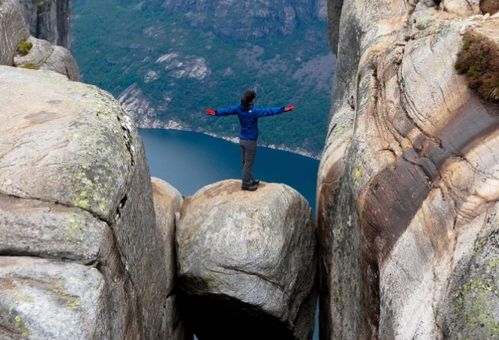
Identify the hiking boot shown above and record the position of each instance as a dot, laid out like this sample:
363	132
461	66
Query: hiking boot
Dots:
255	182
251	187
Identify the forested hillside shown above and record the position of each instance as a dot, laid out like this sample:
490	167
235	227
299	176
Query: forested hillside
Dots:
168	61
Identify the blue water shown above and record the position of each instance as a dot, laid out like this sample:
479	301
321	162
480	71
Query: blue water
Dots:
189	161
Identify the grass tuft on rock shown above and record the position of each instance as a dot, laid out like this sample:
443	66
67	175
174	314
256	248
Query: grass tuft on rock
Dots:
479	60
30	66
23	47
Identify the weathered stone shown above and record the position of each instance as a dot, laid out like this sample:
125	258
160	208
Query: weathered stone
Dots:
45	56
13	30
408	179
67	150
41	299
167	203
73	134
247	262
35	228
489	6
461	7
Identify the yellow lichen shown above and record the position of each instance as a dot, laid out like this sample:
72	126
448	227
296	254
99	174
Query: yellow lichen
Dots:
357	173
74	303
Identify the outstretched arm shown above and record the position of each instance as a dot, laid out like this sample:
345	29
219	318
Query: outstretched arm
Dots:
223	112
270	111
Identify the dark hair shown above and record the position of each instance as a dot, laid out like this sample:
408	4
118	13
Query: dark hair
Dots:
247	98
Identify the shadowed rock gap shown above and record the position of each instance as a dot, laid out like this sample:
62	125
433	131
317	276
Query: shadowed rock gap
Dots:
220	317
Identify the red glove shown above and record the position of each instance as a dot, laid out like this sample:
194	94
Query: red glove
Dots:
211	112
289	108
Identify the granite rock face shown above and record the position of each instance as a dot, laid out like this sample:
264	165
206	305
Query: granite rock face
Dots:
18	48
167	204
49	20
42	299
13	29
75	186
409	181
247	262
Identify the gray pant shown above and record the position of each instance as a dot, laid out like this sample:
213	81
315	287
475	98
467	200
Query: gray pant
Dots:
248	148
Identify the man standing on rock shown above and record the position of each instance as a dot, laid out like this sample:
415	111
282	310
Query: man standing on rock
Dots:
248	118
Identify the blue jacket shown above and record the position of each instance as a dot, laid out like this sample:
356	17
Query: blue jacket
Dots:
249	118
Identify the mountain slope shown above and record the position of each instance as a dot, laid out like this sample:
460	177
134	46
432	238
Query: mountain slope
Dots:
169	61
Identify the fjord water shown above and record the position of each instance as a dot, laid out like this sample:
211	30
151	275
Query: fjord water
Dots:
190	160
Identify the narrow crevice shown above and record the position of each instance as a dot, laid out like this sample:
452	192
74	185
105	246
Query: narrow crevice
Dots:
46	256
96	216
126	126
260	276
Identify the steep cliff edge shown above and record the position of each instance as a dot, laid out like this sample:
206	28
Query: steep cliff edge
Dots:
79	244
409	182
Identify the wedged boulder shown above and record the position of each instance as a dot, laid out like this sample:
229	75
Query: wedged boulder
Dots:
167	204
247	262
13	29
409	182
74	185
45	56
42	299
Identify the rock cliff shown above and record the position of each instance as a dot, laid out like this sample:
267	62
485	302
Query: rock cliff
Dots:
49	20
19	48
247	263
409	181
79	244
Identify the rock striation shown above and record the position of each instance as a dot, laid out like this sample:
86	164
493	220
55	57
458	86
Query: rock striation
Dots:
49	20
19	48
13	28
247	262
76	212
409	182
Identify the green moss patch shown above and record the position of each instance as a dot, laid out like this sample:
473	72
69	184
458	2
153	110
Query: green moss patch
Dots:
23	47
479	61
30	66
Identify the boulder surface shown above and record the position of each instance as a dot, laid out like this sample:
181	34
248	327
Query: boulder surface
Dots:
75	186
247	262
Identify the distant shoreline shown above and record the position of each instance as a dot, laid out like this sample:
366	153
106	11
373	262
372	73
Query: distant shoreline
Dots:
174	125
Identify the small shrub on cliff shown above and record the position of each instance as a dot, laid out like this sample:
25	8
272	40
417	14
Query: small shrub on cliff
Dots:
479	60
24	47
